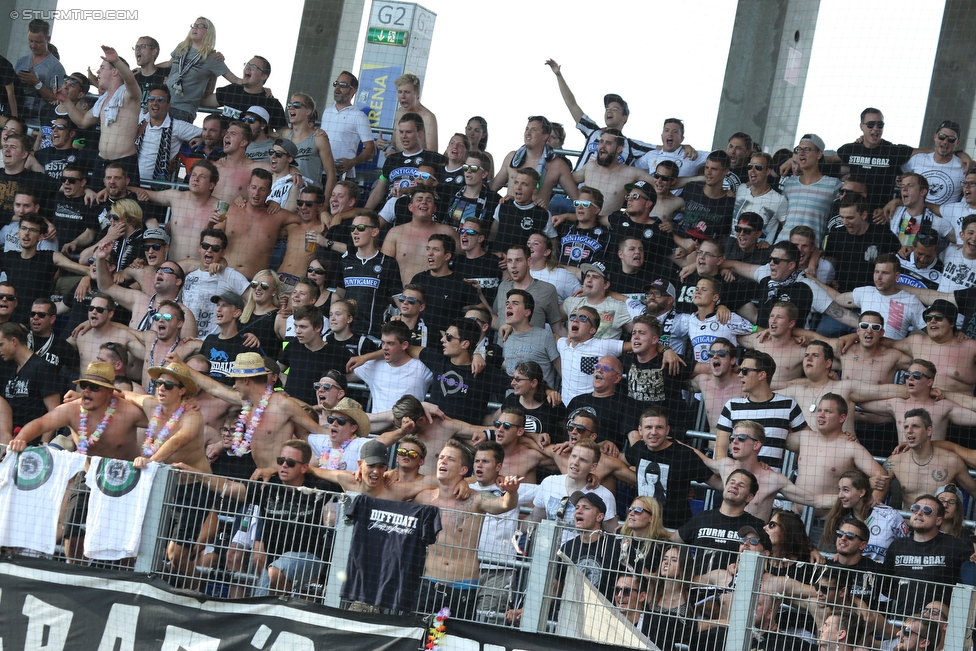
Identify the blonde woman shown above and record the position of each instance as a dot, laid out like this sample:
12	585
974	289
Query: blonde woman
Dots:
643	529
195	63
260	310
314	150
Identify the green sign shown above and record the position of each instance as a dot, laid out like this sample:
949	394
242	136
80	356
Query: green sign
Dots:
386	36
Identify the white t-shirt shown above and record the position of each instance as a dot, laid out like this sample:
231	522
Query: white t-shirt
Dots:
901	311
614	315
550	495
388	384
321	445
686	166
346	129
956	213
119	495
957	271
199	286
945	179
562	279
772	206
905	229
497	530
703	333
577	363
281	187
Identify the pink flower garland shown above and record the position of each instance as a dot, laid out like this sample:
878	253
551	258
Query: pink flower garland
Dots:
242	437
83	440
153	440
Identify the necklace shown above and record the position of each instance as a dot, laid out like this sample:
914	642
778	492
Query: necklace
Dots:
242	436
154	440
813	405
332	457
83	440
152	362
922	465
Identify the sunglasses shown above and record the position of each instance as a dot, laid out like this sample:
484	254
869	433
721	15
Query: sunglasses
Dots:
635	196
907	631
39	315
341	84
198	25
755	166
59	127
291	463
263	285
403	452
918	375
468	231
582	318
934	317
662	177
90	386
254	66
422	175
152	99
773	260
505	426
274	153
323	386
585	204
875	327
448	337
636	509
113	217
574	427
305	204
604	368
100	310
824	589
7	297
296	105
752	540
745	231
169	385
745	370
925	509
476	320
708	354
250	119
470	168
315	270
412	300
216	248
624	591
162	317
154	247
359	228
802	150
942	136
875	123
167	270
850	535
341	420
91	260
70	180
741	438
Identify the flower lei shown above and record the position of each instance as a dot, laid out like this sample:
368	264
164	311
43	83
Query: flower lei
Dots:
242	437
438	629
83	440
332	457
154	440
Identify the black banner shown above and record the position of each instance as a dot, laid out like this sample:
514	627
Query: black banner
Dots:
467	636
47	606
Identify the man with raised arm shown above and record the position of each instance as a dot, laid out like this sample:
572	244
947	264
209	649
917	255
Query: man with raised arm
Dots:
164	337
535	153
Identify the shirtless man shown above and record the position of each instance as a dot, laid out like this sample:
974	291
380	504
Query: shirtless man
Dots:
406	243
916	394
280	420
369	480
607	174
297	256
408	98
520	459
117	439
117	111
667	205
777	341
103	330
212	409
818	359
720	384
167	286
554	171
191	211
163	338
869	362
252	230
453	559
746	440
925	466
181	442
825	455
235	167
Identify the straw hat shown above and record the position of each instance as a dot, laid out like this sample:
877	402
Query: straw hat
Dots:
247	365
179	371
352	409
100	373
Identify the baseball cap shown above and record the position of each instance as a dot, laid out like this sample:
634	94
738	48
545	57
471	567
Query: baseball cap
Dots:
288	146
230	298
750	220
260	112
950	124
665	286
614	97
374	452
643	186
592	498
702	231
155	234
597	267
814	138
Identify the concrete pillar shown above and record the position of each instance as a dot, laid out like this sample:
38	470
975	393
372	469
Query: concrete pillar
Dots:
327	41
766	72
951	93
13	26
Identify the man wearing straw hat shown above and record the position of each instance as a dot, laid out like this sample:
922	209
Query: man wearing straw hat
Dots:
347	430
175	435
268	418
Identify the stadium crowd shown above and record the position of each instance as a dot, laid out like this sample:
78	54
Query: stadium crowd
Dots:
536	333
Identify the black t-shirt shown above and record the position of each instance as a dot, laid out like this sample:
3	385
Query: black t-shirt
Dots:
863	580
9	183
516	223
233	466
579	246
544	418
292	518
156	78
650	384
8	76
262	327
370	283
449	183
222	353
938	561
966	300
449	294
398	533
797	293
657	244
460	208
854	254
713	530
616	414
735	177
26	389
72	218
455	389
734	252
666	476
33	277
632	285
599	561
484	269
699	208
54	160
236	101
305	367
399	168
878	167
685	294
59	353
